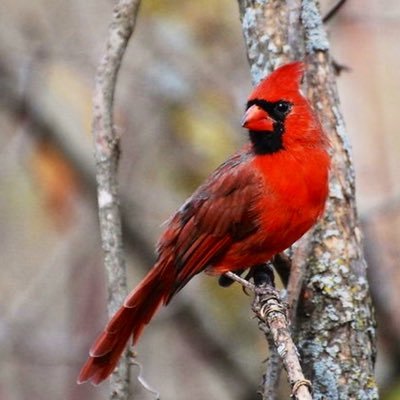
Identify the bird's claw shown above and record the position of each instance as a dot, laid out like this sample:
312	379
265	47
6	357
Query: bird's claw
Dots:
263	274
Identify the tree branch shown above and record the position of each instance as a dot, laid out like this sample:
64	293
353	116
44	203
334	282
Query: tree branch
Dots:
272	320
272	314
21	105
333	11
107	156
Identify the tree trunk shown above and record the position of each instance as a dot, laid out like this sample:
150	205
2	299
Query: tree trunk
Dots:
335	321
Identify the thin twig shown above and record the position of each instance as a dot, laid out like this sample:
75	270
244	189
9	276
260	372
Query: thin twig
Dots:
240	280
338	68
142	380
40	127
107	156
333	11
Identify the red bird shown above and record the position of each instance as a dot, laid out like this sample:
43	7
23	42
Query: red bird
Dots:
255	205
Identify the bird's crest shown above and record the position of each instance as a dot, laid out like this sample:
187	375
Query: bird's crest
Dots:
285	79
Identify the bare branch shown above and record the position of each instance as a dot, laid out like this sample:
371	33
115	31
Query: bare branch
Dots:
270	381
264	25
186	315
272	313
142	379
272	316
294	283
107	155
333	11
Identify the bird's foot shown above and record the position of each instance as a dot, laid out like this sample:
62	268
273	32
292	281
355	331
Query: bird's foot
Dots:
283	266
263	275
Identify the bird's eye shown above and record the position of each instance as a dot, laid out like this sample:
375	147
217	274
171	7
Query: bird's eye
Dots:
282	107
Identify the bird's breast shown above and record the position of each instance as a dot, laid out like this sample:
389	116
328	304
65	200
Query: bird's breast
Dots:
291	199
294	195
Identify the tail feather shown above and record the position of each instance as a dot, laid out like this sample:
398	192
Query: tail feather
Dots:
105	341
138	309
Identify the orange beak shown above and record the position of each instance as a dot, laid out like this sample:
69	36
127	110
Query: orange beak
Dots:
257	119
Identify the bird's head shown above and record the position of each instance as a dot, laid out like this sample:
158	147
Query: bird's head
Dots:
277	114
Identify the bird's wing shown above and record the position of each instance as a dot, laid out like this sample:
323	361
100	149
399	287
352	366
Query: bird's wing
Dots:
220	212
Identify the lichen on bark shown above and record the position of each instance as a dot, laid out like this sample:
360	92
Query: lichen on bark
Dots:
335	319
264	28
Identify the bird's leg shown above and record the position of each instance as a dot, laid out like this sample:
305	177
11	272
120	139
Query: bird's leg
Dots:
282	265
263	274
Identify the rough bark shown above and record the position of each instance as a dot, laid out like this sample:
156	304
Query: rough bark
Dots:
272	313
336	324
273	321
265	29
335	321
270	30
107	156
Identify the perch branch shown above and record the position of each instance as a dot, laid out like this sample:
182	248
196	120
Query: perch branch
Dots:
292	275
272	320
106	146
272	313
269	385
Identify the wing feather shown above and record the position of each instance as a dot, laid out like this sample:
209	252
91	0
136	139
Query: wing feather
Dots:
219	213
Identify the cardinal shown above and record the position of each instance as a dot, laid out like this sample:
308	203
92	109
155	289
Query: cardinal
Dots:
253	206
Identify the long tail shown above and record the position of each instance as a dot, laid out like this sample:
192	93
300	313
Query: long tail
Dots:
138	309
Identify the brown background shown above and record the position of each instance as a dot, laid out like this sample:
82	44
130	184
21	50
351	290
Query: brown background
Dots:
180	98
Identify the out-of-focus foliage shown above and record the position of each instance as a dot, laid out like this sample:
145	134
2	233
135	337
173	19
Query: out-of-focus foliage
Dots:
180	96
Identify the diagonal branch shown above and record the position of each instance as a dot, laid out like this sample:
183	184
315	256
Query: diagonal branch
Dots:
107	154
273	321
333	11
272	313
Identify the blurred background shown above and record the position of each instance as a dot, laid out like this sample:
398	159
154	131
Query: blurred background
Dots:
180	97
